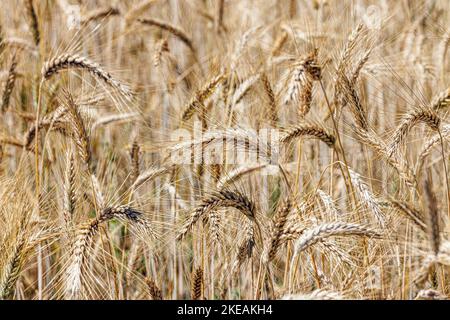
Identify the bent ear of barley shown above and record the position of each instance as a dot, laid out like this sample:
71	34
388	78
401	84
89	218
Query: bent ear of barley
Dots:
370	138
57	124
100	13
83	241
323	231
429	117
222	198
137	10
410	212
200	96
72	61
309	130
176	31
238	139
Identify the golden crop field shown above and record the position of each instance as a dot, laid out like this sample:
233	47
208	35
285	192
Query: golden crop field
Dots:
224	149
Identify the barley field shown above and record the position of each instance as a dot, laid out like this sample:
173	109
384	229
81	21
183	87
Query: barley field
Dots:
224	149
